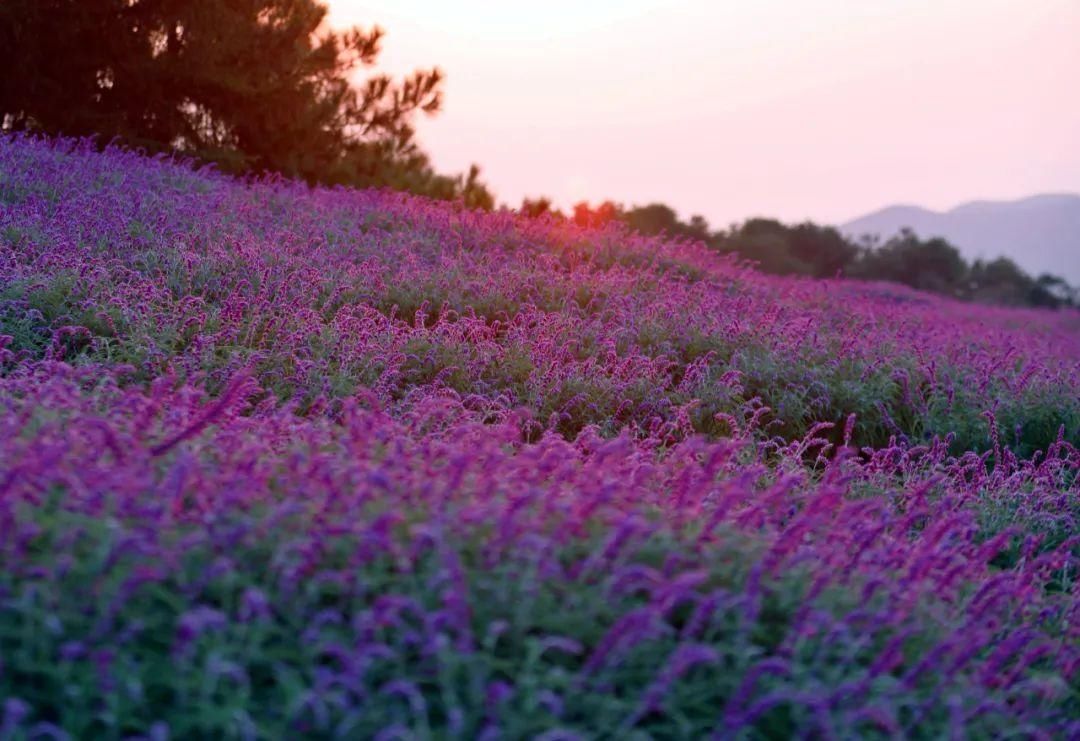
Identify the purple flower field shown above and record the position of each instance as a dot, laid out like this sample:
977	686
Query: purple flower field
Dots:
281	462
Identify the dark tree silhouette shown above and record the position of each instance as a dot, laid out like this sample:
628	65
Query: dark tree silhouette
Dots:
932	265
659	218
253	85
535	208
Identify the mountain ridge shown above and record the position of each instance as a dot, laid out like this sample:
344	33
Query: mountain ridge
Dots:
1040	232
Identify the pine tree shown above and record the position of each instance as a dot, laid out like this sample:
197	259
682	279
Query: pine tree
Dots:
253	85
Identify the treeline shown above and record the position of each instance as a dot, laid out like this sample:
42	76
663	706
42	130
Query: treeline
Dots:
823	252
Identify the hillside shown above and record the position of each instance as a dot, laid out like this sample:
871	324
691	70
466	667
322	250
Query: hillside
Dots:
1041	233
287	461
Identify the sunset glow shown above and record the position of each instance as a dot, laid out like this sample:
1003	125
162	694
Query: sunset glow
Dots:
822	109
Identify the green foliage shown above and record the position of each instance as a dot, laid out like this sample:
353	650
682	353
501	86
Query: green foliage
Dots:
427	362
121	647
36	313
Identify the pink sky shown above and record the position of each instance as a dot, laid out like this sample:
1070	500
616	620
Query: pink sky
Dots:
820	109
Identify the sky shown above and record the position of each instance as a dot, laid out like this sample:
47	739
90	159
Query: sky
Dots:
819	109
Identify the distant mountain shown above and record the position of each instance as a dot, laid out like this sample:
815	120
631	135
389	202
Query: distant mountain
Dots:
1041	233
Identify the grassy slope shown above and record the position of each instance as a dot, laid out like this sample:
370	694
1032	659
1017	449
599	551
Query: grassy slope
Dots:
279	460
